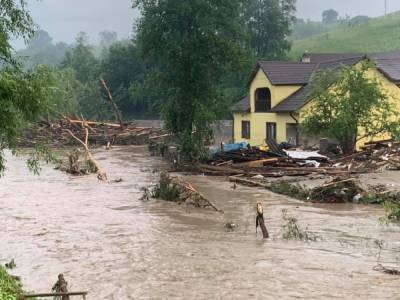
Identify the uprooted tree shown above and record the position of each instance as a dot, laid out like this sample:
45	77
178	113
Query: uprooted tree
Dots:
348	106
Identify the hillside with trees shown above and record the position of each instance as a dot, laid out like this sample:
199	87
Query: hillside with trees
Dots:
359	34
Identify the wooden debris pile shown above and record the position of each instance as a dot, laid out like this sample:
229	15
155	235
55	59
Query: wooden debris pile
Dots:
374	157
255	162
100	133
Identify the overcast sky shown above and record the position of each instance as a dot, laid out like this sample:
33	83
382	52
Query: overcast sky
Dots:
63	19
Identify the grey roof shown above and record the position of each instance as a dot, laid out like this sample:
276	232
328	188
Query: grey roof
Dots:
302	96
242	106
317	58
287	73
388	64
298	73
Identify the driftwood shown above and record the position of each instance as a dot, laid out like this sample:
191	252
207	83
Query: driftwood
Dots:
49	295
381	268
101	174
260	221
115	107
333	183
248	182
257	163
193	196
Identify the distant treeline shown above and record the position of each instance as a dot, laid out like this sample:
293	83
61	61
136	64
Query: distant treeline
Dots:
75	70
330	20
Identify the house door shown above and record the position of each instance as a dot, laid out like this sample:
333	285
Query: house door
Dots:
271	131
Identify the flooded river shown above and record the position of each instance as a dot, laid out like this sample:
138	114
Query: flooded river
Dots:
105	240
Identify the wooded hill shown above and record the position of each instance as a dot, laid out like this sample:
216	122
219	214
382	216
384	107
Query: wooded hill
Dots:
375	35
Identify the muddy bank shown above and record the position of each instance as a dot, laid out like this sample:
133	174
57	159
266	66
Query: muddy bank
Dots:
105	240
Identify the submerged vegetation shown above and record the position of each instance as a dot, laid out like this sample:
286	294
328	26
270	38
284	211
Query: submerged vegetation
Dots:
342	192
292	230
166	189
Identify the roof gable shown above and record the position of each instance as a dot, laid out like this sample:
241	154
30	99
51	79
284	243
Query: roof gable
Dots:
298	99
286	73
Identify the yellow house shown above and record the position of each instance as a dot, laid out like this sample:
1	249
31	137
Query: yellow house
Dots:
279	92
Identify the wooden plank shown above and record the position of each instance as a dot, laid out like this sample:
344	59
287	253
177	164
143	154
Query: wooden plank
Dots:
54	295
258	163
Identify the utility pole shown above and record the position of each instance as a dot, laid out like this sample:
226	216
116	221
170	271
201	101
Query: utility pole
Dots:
385	7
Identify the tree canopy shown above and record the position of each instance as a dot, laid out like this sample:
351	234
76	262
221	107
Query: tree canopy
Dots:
23	95
194	44
348	106
330	16
269	23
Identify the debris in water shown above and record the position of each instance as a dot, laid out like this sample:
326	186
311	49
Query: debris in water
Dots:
180	191
230	226
260	221
61	286
292	230
11	265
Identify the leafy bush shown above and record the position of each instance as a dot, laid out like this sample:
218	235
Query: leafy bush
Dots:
10	289
166	189
392	210
288	189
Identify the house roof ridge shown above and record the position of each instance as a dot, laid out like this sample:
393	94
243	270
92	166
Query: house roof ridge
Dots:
342	59
284	62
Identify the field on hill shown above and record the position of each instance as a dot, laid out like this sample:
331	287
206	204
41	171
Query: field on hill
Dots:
376	35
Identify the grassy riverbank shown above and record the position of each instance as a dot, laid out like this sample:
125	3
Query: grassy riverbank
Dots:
10	288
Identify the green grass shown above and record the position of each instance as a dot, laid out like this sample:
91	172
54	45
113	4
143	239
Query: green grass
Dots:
377	35
10	289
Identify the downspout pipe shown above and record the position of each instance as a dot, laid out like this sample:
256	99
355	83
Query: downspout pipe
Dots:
297	128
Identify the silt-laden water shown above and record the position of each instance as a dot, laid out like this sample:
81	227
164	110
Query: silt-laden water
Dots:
105	240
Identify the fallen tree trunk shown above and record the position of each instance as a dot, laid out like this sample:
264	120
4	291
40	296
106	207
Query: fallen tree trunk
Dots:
101	174
248	182
194	197
115	107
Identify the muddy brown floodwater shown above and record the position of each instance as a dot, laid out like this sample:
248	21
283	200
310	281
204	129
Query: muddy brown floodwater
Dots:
105	240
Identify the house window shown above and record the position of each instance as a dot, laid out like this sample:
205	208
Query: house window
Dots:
263	100
271	131
246	130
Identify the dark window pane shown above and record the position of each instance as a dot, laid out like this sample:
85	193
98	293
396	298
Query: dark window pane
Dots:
263	100
246	130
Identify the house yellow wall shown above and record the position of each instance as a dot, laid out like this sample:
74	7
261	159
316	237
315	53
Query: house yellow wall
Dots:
278	92
258	120
258	129
388	87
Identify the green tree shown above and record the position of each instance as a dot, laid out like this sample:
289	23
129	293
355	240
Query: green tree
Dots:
349	106
41	50
23	95
82	60
269	24
330	16
194	43
107	38
123	67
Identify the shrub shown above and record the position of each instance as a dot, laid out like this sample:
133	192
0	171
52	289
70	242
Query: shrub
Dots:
166	189
10	288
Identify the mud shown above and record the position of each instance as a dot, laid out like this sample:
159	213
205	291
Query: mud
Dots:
105	240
